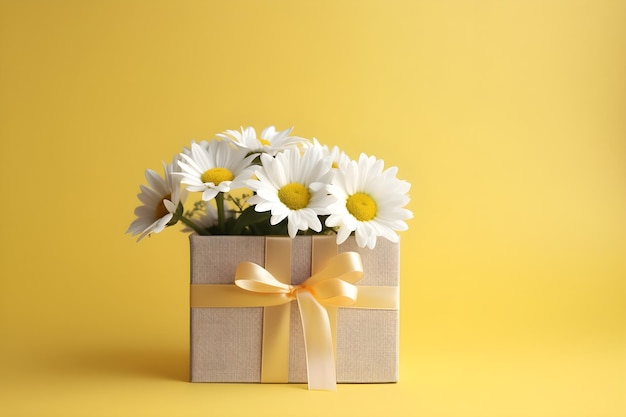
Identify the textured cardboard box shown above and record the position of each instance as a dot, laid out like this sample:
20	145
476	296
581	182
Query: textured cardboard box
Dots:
226	342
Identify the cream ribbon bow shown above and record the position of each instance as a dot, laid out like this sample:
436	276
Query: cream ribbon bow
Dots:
332	286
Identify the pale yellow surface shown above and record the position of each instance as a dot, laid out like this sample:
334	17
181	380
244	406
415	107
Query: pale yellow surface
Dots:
508	117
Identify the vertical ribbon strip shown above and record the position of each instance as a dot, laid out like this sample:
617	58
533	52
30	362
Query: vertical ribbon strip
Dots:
276	319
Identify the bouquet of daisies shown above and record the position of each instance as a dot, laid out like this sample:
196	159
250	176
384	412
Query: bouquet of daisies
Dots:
275	184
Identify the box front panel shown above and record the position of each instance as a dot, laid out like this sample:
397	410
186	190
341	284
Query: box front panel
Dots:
226	342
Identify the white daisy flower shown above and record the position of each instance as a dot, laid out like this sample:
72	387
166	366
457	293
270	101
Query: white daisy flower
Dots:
203	143
337	156
370	202
293	186
160	202
271	141
216	168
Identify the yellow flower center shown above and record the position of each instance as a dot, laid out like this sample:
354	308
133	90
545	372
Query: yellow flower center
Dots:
361	206
264	142
294	195
217	175
160	210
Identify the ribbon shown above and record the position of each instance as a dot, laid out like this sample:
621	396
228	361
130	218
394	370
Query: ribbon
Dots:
331	286
318	297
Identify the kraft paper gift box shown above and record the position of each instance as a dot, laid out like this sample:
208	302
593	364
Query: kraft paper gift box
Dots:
228	342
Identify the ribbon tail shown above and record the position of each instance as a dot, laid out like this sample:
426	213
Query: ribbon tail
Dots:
318	343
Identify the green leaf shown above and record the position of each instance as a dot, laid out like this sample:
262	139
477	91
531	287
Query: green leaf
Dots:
248	218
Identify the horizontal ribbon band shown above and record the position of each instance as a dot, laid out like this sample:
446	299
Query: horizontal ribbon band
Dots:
229	295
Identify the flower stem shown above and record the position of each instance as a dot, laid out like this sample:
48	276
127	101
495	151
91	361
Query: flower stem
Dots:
191	224
221	218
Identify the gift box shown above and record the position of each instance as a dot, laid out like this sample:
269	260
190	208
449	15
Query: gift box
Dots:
248	330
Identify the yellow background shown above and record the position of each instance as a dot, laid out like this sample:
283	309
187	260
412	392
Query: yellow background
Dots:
508	117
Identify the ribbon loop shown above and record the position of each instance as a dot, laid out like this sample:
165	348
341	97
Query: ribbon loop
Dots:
334	291
252	277
346	266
